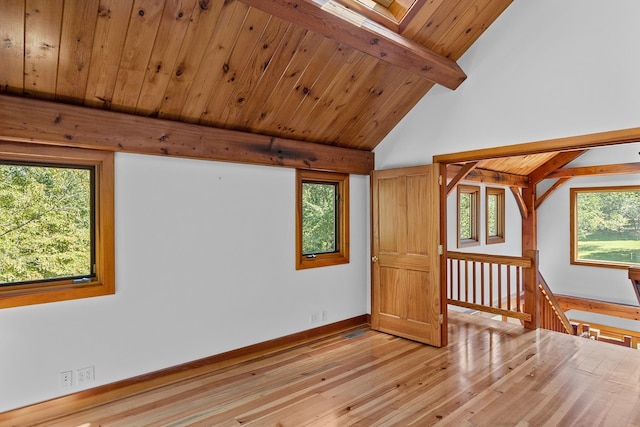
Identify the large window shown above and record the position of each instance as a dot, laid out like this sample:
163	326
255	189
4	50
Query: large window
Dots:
494	215
468	215
322	219
605	226
56	224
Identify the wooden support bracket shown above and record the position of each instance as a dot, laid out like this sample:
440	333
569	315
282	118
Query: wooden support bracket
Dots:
551	189
520	202
462	173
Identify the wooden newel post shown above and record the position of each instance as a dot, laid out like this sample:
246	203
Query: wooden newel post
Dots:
531	294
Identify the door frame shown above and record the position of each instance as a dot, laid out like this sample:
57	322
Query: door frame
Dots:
571	143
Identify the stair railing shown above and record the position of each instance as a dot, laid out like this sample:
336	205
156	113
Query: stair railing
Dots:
551	315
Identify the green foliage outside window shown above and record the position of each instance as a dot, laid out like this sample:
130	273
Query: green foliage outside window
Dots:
45	223
492	215
319	218
465	216
608	225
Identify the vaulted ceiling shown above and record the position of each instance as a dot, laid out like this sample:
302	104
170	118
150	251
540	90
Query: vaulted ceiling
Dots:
334	72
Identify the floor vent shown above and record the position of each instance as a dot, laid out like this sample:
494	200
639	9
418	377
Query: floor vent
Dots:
354	334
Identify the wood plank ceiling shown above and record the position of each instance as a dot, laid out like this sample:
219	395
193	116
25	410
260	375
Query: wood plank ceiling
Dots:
234	65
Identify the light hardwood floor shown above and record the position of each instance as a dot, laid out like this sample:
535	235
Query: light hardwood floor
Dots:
491	374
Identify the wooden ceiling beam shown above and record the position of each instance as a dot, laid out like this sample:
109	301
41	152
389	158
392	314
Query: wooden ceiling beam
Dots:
43	122
553	164
489	177
621	169
580	142
335	21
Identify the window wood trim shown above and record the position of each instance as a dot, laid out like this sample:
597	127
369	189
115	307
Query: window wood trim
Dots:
104	281
500	215
342	255
474	191
573	227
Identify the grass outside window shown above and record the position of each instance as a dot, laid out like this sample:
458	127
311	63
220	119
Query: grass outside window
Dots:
605	226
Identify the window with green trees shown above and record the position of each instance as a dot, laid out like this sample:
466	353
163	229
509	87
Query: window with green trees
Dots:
605	226
322	219
56	224
495	212
319	218
46	217
468	215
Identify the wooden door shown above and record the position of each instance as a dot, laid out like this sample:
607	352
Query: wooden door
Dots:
406	292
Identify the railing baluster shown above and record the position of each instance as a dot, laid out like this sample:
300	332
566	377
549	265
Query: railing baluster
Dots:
499	286
473	265
466	281
482	283
490	284
450	296
518	291
458	296
508	287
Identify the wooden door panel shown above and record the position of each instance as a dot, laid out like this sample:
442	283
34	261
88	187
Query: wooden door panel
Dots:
392	214
418	296
417	207
390	292
405	277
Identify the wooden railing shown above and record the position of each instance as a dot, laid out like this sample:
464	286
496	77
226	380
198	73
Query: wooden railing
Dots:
551	316
507	286
513	287
488	283
587	330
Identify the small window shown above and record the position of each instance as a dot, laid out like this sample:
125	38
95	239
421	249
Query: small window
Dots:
495	215
468	215
605	226
322	219
56	224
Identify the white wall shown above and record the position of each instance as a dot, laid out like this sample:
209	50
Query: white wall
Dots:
545	69
204	264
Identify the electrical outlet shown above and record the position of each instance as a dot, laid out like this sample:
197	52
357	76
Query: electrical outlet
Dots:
315	317
66	379
85	374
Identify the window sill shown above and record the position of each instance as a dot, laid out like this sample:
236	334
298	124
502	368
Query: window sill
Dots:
322	260
605	264
468	243
22	295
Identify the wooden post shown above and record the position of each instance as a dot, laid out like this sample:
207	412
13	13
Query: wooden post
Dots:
531	294
530	222
530	250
